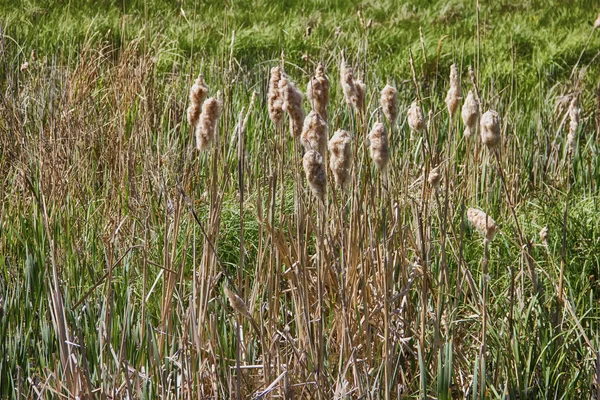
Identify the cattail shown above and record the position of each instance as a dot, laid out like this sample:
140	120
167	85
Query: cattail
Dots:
315	173
470	113
490	129
544	236
359	99
198	93
483	223
317	91
206	127
354	90
274	96
597	22
340	157
435	177
389	103
379	147
415	117
573	124
292	104
453	96
237	303
314	133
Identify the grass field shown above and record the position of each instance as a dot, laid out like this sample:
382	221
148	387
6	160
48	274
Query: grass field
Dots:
119	240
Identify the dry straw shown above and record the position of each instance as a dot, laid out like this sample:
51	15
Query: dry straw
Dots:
416	120
292	104
274	96
453	96
470	114
483	223
389	103
315	173
379	146
198	93
490	129
340	157
317	92
207	125
574	112
314	133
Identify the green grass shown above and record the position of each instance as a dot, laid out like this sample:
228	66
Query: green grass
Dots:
94	144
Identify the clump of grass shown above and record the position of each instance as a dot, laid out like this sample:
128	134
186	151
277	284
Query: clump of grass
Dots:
207	124
470	114
453	95
317	92
490	129
314	133
340	157
389	103
315	173
292	104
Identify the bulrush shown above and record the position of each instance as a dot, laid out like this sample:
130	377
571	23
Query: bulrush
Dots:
317	91
340	157
359	100
483	223
573	124
470	113
435	177
490	129
314	133
453	96
379	147
292	104
416	120
274	96
354	90
389	103
198	93
315	173
207	125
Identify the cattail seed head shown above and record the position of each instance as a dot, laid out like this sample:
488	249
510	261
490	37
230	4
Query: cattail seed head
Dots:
483	223
340	157
315	173
544	236
379	147
207	124
453	96
490	129
470	113
416	120
198	93
359	100
389	103
274	96
435	177
354	89
574	112
597	22
292	104
317	92
236	302
314	133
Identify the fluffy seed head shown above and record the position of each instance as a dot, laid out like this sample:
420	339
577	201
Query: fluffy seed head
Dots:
354	89
340	157
359	100
292	104
435	177
274	96
207	125
415	117
315	173
483	223
317	91
574	112
198	93
490	129
389	103
314	133
470	113
453	96
597	22
379	146
544	235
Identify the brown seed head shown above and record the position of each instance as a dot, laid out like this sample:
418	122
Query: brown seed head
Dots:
483	223
314	133
292	104
389	103
435	177
470	113
416	120
317	91
207	124
198	93
379	147
274	97
453	96
544	236
490	129
315	173
574	112
340	157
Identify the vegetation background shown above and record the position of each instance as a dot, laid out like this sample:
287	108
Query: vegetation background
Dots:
110	287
